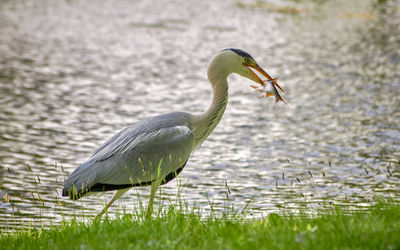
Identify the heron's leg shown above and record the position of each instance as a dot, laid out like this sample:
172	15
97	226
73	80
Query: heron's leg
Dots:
154	186
117	195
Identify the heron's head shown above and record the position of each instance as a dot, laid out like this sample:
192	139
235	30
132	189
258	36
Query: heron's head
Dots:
242	63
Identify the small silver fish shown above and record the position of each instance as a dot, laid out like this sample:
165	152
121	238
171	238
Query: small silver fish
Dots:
275	91
269	90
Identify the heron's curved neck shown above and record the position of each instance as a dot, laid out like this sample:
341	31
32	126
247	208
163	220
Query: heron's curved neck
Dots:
205	123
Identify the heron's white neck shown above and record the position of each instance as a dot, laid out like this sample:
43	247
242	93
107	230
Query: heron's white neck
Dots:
205	123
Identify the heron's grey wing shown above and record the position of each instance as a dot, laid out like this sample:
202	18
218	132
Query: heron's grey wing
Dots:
133	155
152	156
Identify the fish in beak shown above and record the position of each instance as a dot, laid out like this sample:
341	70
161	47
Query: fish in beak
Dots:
263	88
268	90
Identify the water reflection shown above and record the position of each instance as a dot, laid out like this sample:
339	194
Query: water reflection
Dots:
72	74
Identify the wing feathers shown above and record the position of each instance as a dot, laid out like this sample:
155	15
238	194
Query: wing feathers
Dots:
132	155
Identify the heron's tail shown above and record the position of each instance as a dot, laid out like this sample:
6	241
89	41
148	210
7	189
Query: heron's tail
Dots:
79	182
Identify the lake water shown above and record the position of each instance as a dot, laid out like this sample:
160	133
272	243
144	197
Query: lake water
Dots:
73	73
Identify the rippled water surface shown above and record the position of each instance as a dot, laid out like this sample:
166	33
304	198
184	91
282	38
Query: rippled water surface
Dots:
73	73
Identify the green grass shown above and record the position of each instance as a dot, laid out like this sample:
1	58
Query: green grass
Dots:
376	228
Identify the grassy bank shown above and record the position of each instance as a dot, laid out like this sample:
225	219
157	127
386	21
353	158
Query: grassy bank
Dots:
376	228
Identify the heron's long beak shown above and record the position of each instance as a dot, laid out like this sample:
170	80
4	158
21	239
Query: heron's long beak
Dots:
262	72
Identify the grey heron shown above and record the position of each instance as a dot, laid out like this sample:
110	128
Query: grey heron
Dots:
155	150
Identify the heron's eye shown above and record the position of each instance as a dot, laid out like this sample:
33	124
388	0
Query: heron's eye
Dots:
246	60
